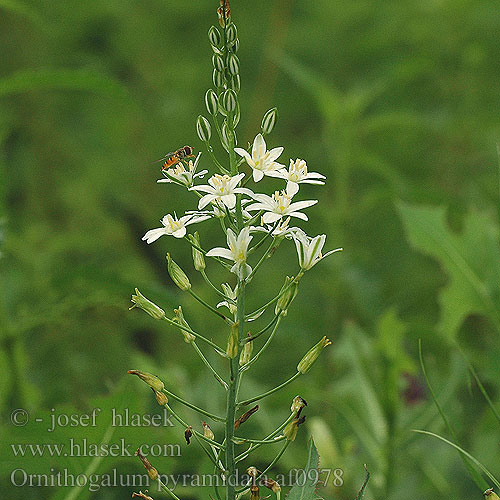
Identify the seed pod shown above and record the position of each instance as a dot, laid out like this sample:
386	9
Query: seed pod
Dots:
231	32
291	287
233	64
152	380
161	397
152	472
146	305
211	102
491	495
269	121
307	361
229	100
218	79
297	404
214	36
198	257
232	341
203	128
177	274
290	431
179	318
246	352
218	62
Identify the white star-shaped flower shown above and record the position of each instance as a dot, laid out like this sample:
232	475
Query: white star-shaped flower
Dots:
279	205
236	251
297	174
221	188
309	249
173	226
261	161
178	174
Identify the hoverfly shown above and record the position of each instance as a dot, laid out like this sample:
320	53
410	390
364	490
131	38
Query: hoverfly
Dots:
176	156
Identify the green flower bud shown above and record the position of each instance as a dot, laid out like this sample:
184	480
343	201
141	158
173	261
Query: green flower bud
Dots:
198	257
232	341
146	305
207	432
246	352
229	100
218	62
211	102
307	361
177	274
214	36
234	46
236	115
235	83
203	129
218	79
154	382
491	495
231	33
179	318
233	64
269	121
292	288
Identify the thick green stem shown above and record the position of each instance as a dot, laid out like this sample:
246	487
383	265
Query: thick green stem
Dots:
232	395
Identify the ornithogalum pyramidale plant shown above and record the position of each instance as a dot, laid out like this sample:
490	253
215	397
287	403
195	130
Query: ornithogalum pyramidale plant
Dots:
253	224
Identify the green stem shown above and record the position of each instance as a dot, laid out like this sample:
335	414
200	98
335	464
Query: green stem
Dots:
192	406
264	330
166	489
261	261
210	150
207	280
242	440
209	366
268	393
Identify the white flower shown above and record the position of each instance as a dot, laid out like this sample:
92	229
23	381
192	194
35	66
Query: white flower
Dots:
221	188
281	230
180	175
278	206
173	226
236	251
297	174
309	249
261	161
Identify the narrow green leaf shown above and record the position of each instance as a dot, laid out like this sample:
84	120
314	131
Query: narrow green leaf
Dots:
306	485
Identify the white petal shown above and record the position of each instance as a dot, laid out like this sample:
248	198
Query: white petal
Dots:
229	200
179	233
299	215
292	188
259	147
220	252
275	153
315	175
299	205
205	200
270	217
203	188
257	175
257	206
154	234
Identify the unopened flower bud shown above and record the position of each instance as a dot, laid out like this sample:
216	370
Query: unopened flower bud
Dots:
235	83
232	341
231	32
246	352
271	484
179	318
297	404
290	431
269	121
307	361
234	46
229	100
152	472
203	128
218	79
226	135
233	64
207	432
177	274
161	397
146	305
288	292
218	62
153	381
198	257
211	102
491	495
214	36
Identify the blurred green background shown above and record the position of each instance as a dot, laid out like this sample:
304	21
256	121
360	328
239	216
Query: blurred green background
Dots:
396	102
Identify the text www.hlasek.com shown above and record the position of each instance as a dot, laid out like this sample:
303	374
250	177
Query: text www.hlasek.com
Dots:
84	448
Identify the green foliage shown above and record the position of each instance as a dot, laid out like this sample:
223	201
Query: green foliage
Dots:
306	487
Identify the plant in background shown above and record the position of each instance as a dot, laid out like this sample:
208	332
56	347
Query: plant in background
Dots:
253	224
